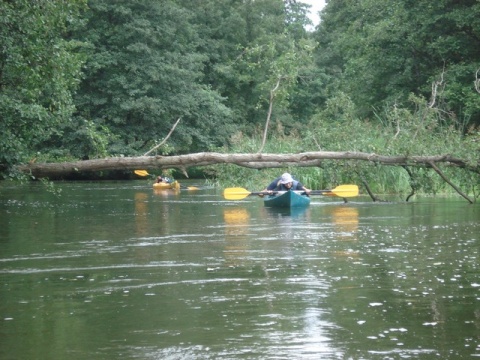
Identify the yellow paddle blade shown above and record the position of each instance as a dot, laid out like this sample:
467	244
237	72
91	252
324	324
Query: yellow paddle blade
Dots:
344	191
235	193
193	188
141	172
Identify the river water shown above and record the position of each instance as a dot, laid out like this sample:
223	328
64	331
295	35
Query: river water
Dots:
115	270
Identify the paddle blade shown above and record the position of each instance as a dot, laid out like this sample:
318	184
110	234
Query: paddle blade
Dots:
344	191
235	193
141	172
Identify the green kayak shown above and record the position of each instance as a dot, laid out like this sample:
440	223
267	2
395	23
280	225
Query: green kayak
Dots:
287	199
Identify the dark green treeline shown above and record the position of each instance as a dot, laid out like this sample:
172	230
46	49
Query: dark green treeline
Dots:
85	79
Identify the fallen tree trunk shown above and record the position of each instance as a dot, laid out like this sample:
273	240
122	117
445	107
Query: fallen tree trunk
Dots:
182	162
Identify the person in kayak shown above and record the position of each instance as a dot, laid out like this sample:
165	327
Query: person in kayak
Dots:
165	180
285	183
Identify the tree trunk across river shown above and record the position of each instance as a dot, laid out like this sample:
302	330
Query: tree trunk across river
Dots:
53	170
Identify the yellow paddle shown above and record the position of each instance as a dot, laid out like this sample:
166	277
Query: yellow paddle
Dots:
343	191
141	172
145	173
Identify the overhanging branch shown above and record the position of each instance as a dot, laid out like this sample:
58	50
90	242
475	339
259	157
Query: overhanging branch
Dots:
456	188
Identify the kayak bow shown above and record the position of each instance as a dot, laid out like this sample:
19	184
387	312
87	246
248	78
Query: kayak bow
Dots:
287	199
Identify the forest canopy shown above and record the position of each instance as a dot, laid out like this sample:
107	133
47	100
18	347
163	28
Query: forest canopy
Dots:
99	78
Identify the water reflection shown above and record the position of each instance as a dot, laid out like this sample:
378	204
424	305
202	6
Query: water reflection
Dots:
345	227
112	271
345	220
236	231
166	193
141	220
278	212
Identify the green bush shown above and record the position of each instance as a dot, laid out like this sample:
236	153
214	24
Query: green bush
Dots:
394	132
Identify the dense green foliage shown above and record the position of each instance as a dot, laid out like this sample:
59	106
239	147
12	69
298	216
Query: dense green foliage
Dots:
379	52
145	70
39	70
94	78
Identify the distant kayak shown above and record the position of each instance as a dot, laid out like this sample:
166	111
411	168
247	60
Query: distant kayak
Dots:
166	186
287	199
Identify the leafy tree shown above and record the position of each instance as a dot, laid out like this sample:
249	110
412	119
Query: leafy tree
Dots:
144	71
381	51
250	45
39	69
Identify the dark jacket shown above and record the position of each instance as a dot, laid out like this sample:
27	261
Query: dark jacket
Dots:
276	186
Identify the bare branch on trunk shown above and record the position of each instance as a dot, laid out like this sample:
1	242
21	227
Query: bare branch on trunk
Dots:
412	183
435	86
270	108
477	81
164	140
442	175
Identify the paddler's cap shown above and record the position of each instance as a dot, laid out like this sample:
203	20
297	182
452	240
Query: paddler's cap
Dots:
286	178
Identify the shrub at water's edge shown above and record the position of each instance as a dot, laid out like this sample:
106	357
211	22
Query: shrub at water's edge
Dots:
395	132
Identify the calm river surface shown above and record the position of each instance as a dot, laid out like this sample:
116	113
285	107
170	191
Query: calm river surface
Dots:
114	270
